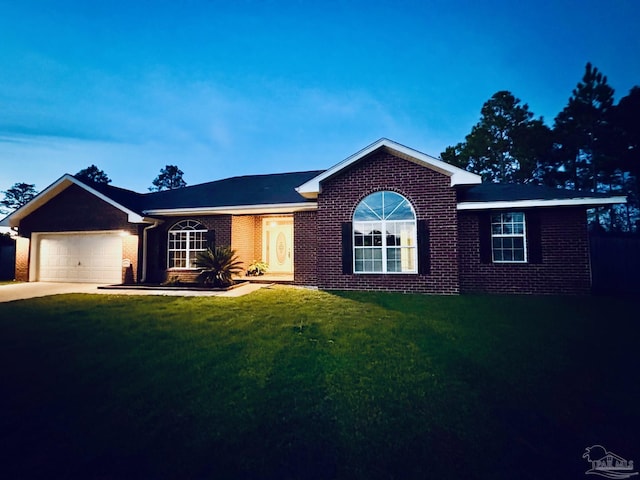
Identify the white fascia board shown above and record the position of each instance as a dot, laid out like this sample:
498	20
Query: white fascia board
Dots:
235	210
568	202
55	189
311	188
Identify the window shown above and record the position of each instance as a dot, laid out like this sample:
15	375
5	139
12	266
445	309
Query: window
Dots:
186	239
508	238
384	235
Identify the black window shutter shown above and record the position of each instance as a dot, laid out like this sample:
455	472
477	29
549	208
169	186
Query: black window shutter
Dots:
424	255
211	239
484	230
347	248
534	237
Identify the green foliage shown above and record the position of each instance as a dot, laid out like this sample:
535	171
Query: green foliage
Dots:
170	178
257	268
507	145
93	174
594	145
18	195
583	133
218	266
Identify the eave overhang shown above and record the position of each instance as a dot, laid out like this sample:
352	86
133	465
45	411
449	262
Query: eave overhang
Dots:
458	176
587	202
57	187
265	209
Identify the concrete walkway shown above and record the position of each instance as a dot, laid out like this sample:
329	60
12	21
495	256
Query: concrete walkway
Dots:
21	291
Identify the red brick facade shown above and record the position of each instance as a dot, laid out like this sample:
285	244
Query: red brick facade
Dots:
563	268
77	210
305	247
433	200
451	238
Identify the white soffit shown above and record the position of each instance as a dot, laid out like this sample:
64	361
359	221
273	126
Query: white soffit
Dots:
458	176
566	202
236	210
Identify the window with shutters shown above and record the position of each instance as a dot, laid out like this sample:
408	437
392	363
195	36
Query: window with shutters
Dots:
384	235
508	237
186	239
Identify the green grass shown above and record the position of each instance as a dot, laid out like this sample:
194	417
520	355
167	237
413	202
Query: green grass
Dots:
291	383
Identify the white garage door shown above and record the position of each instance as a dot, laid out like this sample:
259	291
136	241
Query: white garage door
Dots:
89	258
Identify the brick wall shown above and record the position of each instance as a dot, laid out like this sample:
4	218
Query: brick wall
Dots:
75	209
564	267
22	259
434	201
157	245
305	248
130	252
243	238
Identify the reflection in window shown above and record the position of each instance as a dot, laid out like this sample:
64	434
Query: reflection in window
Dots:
508	239
384	234
186	239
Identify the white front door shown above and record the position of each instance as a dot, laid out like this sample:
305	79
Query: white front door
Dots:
277	248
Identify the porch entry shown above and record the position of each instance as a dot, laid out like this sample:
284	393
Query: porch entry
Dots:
277	244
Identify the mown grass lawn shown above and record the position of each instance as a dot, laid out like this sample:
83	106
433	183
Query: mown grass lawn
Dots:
291	383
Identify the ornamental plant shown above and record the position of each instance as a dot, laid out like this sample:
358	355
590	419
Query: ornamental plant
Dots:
218	266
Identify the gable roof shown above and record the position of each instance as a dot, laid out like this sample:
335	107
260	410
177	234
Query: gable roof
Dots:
123	200
312	188
512	195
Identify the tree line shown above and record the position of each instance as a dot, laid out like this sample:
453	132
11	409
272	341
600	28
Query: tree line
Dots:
594	145
20	194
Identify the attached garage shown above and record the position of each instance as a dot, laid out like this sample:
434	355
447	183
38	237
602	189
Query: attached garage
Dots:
78	257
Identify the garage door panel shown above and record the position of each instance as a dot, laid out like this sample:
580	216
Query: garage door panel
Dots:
80	258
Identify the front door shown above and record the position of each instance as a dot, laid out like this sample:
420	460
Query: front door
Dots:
278	244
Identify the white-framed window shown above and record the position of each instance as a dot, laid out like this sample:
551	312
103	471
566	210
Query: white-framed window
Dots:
508	237
384	235
186	239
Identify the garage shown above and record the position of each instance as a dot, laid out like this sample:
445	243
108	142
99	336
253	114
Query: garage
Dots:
80	257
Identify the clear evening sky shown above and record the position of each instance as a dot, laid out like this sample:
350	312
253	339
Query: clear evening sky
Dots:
225	88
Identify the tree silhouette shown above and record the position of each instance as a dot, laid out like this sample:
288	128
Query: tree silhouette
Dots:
170	178
93	174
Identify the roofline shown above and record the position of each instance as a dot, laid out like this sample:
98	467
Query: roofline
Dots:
311	188
236	209
568	202
57	187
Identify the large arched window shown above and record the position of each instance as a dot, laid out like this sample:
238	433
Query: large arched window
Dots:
384	235
186	239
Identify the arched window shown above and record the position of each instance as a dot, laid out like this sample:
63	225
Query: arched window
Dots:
384	235
186	239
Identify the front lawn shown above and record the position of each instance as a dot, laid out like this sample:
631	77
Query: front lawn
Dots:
291	383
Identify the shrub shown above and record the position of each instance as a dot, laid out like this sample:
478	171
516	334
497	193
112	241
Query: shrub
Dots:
257	268
218	266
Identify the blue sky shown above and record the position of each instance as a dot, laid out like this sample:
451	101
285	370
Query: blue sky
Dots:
224	88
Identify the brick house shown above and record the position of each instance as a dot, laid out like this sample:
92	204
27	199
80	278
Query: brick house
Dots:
386	218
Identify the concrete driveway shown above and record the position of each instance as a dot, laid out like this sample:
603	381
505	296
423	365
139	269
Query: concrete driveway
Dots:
21	291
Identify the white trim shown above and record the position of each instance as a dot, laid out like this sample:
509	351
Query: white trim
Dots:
568	202
271	208
57	187
311	188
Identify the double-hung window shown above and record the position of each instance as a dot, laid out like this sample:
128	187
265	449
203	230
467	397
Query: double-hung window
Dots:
186	239
508	237
384	234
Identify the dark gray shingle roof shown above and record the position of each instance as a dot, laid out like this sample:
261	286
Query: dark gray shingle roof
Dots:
246	190
512	192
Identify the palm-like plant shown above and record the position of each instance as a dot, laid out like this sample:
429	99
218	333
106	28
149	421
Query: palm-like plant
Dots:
218	266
